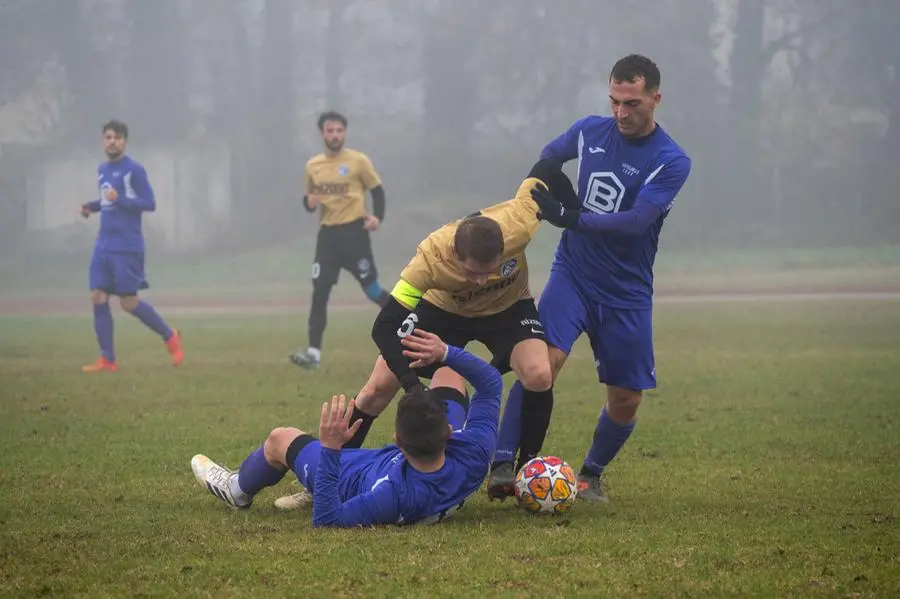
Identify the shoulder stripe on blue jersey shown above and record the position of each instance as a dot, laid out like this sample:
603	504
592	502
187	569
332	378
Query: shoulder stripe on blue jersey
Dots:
652	175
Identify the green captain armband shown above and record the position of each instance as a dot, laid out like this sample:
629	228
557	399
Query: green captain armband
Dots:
406	294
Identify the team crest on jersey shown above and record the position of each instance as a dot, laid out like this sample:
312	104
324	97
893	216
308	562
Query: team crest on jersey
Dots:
509	267
343	170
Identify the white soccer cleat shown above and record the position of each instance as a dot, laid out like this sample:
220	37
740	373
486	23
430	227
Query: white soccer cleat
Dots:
217	480
295	501
305	358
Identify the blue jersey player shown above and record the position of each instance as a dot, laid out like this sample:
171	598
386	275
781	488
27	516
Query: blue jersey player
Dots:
423	478
601	280
117	265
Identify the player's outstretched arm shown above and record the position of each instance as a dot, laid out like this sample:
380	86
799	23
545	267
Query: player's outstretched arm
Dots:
655	197
628	223
426	348
139	195
379	506
484	411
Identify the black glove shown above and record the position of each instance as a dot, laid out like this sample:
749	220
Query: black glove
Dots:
550	172
552	211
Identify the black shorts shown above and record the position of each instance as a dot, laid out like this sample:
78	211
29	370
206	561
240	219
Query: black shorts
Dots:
347	247
499	332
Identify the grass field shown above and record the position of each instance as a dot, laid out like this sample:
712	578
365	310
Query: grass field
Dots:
766	464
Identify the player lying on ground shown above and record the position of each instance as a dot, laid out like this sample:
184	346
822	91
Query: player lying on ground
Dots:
601	280
336	184
117	265
424	478
467	282
448	384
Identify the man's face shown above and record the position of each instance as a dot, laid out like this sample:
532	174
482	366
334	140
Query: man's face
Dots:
333	133
633	106
477	273
113	144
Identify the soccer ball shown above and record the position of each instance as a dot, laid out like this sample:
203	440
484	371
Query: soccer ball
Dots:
546	485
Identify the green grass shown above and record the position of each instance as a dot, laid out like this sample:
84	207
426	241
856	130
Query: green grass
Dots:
766	464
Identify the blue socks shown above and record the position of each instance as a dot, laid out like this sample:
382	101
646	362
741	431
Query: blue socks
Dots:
374	291
103	326
256	473
151	318
609	437
510	425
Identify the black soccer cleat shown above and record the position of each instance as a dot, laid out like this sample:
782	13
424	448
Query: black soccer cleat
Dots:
502	482
590	488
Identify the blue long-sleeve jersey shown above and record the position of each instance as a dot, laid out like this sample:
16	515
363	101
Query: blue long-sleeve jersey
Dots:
627	188
362	487
120	221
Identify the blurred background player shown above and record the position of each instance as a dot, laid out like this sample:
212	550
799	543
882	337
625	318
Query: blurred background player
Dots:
601	280
117	265
336	183
435	465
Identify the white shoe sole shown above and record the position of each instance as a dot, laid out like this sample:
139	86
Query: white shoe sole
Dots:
295	501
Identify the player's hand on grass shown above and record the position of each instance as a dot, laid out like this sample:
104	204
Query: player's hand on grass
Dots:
552	210
335	428
424	348
111	194
371	223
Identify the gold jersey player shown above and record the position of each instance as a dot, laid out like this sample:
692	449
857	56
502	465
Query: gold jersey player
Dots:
469	282
336	183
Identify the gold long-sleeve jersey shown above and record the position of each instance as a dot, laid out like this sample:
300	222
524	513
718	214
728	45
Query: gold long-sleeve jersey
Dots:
435	274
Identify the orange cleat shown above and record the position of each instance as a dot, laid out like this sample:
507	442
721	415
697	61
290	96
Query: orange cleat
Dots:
101	365
174	347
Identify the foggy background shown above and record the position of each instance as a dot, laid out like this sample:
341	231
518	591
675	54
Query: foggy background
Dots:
790	110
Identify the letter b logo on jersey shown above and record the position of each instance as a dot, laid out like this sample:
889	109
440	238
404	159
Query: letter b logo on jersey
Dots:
604	193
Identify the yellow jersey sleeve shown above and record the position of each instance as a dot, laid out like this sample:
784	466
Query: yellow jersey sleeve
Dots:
367	174
517	217
415	280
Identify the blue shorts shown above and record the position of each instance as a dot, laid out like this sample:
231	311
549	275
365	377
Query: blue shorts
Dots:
621	339
307	462
117	273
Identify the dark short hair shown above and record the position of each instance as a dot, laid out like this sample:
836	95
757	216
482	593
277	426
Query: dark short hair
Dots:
479	238
331	115
634	67
117	127
421	424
